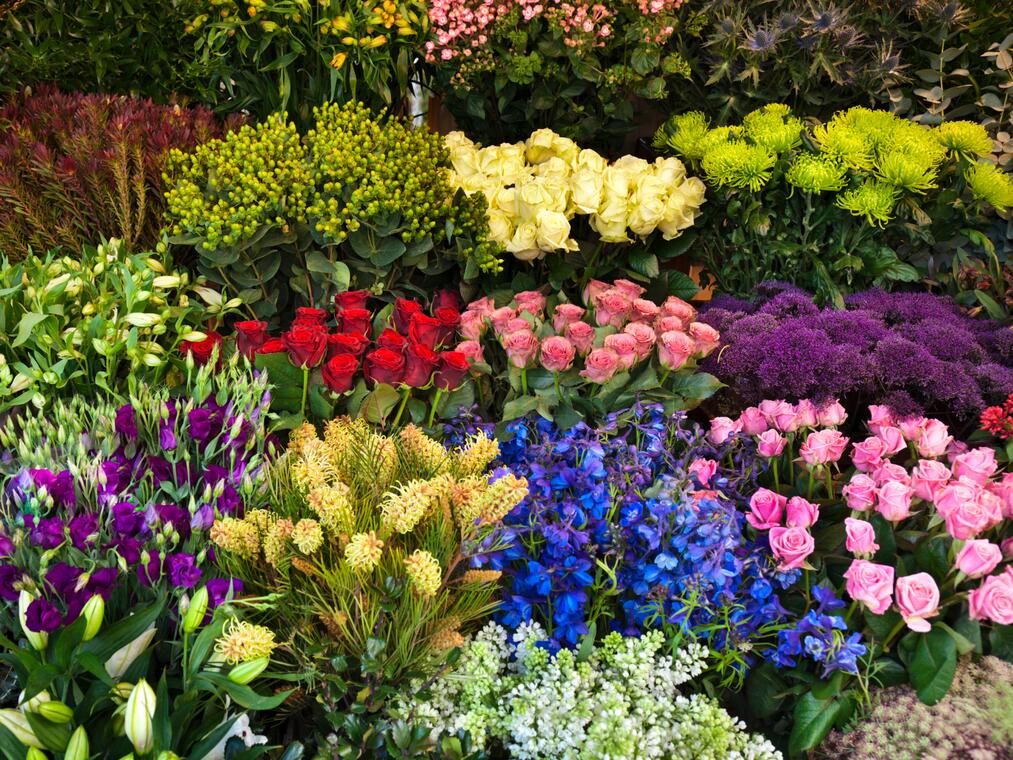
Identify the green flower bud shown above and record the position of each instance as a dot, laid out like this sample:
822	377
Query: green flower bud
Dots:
245	672
94	611
77	747
57	712
195	612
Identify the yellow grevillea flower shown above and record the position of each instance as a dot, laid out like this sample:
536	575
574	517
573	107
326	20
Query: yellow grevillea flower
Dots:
243	641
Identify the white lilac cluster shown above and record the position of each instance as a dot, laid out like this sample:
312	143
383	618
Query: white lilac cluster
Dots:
535	188
622	701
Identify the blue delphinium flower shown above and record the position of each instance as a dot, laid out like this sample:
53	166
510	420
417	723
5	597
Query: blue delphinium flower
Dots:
820	637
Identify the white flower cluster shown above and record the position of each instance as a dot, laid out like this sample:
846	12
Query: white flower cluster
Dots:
535	188
621	702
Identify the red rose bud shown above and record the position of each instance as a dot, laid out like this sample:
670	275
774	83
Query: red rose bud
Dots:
272	346
339	372
453	368
202	350
392	340
356	321
425	330
353	299
306	315
306	345
447	299
384	366
450	323
250	336
420	362
403	311
346	343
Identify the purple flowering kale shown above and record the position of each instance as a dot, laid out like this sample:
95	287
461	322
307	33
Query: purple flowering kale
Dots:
914	352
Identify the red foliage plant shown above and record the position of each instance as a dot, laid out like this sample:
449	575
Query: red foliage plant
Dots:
76	167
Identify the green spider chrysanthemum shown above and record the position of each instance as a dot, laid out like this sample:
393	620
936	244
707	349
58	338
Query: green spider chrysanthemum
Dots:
873	200
815	173
739	164
773	127
683	134
915	140
913	171
717	136
991	185
964	138
876	127
844	144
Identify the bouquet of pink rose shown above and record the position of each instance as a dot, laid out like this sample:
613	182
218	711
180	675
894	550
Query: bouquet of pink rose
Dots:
568	361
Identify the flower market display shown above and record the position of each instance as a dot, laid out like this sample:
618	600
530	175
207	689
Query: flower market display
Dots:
478	379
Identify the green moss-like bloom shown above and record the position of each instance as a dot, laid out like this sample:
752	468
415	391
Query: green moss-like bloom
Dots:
816	173
990	185
964	138
873	200
739	164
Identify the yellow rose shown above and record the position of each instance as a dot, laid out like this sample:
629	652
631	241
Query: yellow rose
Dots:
679	214
610	221
647	206
586	186
457	139
617	182
464	160
502	198
533	196
554	232
631	164
695	191
524	239
565	148
501	229
558	189
553	167
670	171
538	147
589	159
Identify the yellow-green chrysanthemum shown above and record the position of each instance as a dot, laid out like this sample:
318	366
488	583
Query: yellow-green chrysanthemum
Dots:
815	173
684	132
964	138
844	144
363	551
243	641
424	572
991	185
872	199
773	127
739	164
914	172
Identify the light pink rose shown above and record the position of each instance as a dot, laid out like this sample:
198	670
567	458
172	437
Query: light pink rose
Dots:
791	546
645	337
823	446
500	318
644	311
912	427
770	443
721	429
612	308
752	421
801	513
868	454
484	306
765	509
917	600
779	414
870	584
955	449
806	414
557	354
928	477
977	464
521	347
889	471
894	500
625	346
952	495
473	325
676	307
601	365
515	324
1007	548
832	414
878	416
669	323
674	349
978	557
631	289
581	334
892	438
968	519
993	505
703	469
594	288
565	314
1004	490
860	492
472	351
860	537
934	439
530	301
707	339
993	599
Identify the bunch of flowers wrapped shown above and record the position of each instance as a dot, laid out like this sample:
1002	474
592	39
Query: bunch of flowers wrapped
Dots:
368	536
562	358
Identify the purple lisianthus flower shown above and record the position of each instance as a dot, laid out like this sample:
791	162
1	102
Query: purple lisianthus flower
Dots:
127	519
6	546
149	573
101	582
127	547
9	574
42	616
47	533
229	502
126	422
220	589
63	578
84	531
205	421
175	516
183	572
203	518
20	486
166	437
58	485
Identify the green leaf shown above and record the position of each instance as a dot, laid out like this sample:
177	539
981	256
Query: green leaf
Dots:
519	407
286	379
933	664
244	696
379	403
122	632
765	691
693	385
813	718
681	285
10	747
25	327
1001	642
889	672
645	59
881	625
644	262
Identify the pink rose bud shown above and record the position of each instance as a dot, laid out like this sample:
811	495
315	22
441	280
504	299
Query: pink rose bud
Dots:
860	492
630	289
521	348
892	438
791	546
1007	548
823	446
472	351
581	334
752	421
860	537
669	324
934	439
894	500
645	338
993	599
870	584
557	354
473	325
801	513
1004	490
977	464
912	427
612	308
500	318
644	311
978	557
530	301
868	454
484	306
625	347
703	470
676	307
565	314
968	519
878	416
917	600
779	415
674	349
770	444
832	414
928	477
515	324
593	289
765	509
706	338
806	414
722	428
601	365
889	471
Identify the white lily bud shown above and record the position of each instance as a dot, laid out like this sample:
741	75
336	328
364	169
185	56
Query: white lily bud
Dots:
38	640
137	719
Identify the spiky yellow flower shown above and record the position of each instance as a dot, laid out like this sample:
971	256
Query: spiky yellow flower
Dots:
964	138
236	536
363	551
873	200
276	540
448	635
773	127
502	496
242	641
333	506
299	437
991	185
425	452
481	576
342	433
914	172
844	144
739	164
314	466
406	505
424	572
476	455
683	134
815	174
307	536
260	518
465	499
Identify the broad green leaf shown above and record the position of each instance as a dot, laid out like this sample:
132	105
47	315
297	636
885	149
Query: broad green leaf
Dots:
813	719
933	664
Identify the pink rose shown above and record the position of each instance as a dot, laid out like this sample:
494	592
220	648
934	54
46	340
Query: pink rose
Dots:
676	307
530	301
704	470
791	546
601	365
669	323
928	477
515	324
752	421
625	346
612	308
484	306
870	584
918	599
1004	490
779	415
823	446
912	427
722	428
977	464
860	492
955	449
644	311
472	351
978	557
878	416
770	444
593	289
801	513
565	314
806	414
832	414
521	347
993	599
950	496
765	509
581	334
645	338
894	500
674	349
968	519
889	471
631	289
500	317
993	505
860	537
892	438
473	325
707	339
934	439
1007	548
557	354
868	454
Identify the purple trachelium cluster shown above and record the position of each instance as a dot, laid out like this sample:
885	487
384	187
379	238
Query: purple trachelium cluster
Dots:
914	352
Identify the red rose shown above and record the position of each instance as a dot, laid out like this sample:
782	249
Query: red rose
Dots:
420	362
384	366
403	311
272	346
306	345
201	350
339	372
392	340
453	368
250	336
346	343
353	299
356	321
425	330
306	315
450	322
447	299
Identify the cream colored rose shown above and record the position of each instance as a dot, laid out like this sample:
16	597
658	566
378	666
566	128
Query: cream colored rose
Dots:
647	206
532	197
538	147
671	171
457	139
610	222
679	214
695	191
617	181
554	167
631	164
590	159
558	189
464	160
565	148
512	164
586	188
524	239
501	228
502	198
554	232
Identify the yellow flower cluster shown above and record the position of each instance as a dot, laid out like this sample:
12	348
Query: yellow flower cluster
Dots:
535	188
243	642
363	552
424	572
237	536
